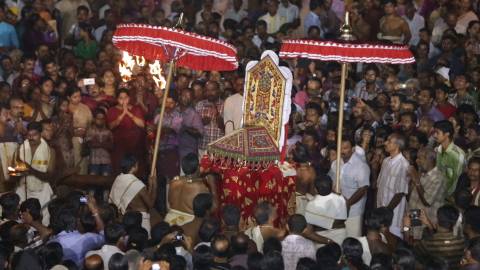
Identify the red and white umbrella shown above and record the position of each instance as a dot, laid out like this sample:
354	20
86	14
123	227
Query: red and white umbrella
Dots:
165	44
178	47
345	51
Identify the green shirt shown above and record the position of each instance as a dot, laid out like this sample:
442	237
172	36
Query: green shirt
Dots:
451	162
86	51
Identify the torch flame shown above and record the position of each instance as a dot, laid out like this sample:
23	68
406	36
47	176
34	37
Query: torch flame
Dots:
156	71
125	67
128	63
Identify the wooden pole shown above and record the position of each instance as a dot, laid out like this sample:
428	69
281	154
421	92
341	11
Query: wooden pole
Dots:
160	119
340	126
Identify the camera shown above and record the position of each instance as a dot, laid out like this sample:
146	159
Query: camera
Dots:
155	266
179	237
83	199
415	217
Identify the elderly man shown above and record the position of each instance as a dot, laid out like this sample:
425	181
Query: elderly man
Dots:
393	181
427	189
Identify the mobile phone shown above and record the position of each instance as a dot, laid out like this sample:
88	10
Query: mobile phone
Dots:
83	199
179	237
415	217
89	81
155	266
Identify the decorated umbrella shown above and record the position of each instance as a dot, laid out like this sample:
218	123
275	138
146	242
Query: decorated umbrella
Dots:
345	52
176	47
250	144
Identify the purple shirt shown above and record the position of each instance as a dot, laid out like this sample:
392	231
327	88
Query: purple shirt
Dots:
434	114
187	142
75	245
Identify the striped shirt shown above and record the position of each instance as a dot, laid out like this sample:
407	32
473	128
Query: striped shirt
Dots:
451	163
444	245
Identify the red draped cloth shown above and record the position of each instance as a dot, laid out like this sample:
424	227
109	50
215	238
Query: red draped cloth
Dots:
245	187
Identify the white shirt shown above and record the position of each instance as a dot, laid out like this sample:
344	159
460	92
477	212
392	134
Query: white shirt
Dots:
393	179
438	28
295	247
232	113
463	21
354	175
290	12
106	252
237	16
417	23
322	211
273	22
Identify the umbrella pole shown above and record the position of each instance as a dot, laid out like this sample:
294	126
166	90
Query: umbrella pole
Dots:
340	126
160	119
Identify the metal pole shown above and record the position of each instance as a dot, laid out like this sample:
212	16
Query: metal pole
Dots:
340	126
160	120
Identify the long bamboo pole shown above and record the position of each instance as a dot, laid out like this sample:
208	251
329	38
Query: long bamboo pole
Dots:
160	120
340	126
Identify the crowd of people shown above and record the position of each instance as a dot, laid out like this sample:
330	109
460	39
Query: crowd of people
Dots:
409	192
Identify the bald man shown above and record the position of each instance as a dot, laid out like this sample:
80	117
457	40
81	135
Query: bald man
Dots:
93	262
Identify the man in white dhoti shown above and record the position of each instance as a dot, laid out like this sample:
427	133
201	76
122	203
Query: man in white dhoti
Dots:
265	214
393	181
129	193
7	154
327	212
233	108
40	160
354	182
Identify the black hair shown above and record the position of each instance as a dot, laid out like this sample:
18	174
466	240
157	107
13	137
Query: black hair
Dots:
64	220
371	67
430	91
9	202
123	90
18	235
412	115
202	257
253	261
261	23
300	153
272	244
323	184
313	27
404	259
190	163
474	247
421	137
315	4
263	211
208	229
329	253
435	263
447	216
306	264
314	106
131	220
272	260
387	216
127	163
231	215
82	8
446	127
202	203
472	218
463	198
177	262
353	251
72	90
373	220
32	205
381	261
87	220
52	254
158	232
118	261
137	239
113	232
297	223
35	126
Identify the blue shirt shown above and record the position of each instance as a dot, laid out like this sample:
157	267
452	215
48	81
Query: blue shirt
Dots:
75	245
8	35
312	19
